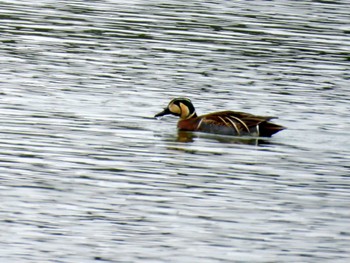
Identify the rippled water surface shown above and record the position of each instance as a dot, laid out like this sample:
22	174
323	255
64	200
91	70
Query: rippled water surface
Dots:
87	174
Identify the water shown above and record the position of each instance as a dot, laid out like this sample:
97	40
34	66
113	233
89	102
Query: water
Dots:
88	175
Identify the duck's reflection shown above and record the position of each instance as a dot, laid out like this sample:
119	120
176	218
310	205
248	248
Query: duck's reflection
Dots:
187	137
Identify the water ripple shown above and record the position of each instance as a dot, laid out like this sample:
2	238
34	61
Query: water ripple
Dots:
87	173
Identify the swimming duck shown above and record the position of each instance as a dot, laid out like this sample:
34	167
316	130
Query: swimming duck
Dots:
224	122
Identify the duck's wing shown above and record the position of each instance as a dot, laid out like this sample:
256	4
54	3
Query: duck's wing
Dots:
240	123
241	120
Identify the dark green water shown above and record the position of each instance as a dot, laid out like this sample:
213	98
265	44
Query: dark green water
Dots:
87	175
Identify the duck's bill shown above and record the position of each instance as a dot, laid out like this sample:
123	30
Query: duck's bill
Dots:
164	112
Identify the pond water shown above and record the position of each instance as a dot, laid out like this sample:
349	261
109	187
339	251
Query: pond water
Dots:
87	174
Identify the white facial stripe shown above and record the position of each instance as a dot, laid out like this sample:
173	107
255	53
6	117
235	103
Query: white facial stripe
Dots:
189	117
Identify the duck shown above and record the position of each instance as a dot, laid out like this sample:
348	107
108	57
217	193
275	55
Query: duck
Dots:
233	123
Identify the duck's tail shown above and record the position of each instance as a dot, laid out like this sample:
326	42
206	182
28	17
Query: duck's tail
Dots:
267	129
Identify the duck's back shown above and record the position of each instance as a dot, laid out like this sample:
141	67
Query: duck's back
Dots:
231	123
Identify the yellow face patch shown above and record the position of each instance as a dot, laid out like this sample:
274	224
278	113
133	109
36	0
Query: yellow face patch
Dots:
174	108
180	107
184	111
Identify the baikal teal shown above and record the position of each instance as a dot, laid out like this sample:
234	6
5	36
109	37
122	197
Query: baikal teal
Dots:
224	122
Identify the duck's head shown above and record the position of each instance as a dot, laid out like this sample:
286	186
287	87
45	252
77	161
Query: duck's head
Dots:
181	107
